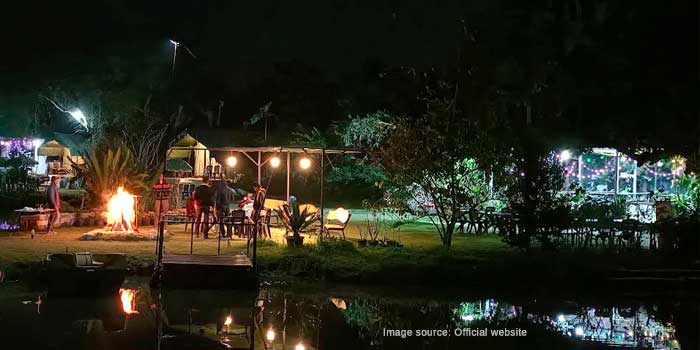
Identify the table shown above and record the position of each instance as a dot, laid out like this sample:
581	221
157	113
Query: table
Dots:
27	211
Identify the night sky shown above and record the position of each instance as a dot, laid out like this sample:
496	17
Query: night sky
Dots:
239	43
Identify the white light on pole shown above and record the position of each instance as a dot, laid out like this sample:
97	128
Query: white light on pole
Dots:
78	115
275	162
175	44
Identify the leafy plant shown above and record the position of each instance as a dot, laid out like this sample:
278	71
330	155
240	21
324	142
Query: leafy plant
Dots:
618	207
294	219
687	202
105	168
368	131
313	138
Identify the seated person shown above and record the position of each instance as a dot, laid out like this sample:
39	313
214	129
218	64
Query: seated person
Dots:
247	200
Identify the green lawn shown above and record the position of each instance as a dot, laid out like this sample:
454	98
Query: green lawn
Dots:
419	238
482	259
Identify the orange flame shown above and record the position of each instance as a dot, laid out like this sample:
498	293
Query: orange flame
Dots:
120	211
128	298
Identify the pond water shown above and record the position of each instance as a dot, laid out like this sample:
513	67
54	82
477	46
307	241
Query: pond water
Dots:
279	316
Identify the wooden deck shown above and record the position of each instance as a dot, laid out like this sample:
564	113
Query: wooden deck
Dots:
208	271
215	260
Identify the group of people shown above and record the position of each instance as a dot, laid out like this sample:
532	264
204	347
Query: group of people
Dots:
216	201
208	201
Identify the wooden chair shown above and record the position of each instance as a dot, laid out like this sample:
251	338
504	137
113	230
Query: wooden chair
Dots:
335	224
238	222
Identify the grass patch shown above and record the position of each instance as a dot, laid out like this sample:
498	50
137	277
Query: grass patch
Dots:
473	259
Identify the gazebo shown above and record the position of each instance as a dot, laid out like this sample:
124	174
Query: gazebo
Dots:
59	153
189	150
274	156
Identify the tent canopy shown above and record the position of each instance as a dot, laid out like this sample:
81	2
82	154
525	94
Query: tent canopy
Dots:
53	148
182	149
177	165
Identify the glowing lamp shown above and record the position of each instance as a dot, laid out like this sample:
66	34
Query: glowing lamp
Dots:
578	331
564	155
275	162
270	335
78	115
300	346
228	321
305	163
342	214
231	161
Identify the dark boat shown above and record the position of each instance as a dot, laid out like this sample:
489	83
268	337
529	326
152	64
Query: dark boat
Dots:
85	273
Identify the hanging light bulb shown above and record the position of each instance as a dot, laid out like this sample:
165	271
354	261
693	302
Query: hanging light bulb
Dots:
275	162
305	163
231	161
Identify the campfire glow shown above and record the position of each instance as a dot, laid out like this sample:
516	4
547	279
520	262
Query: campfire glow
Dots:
128	298
120	212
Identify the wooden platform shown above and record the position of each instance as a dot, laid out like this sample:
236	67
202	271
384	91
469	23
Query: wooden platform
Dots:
217	260
208	271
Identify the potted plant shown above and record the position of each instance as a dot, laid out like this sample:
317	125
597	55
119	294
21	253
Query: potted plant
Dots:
296	220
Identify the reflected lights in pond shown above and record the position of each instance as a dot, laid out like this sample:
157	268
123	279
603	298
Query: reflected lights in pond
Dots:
614	326
128	299
270	335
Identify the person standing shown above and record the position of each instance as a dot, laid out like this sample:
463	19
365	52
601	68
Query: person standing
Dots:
54	200
203	194
258	203
223	198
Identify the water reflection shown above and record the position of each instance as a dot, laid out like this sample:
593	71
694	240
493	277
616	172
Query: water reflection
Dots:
282	318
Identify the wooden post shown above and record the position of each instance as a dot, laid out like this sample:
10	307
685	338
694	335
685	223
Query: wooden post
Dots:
161	234
323	156
288	160
259	167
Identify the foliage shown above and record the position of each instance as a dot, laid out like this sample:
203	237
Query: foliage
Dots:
384	220
354	173
294	219
618	207
332	245
368	131
106	168
686	203
15	177
313	138
533	194
433	160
